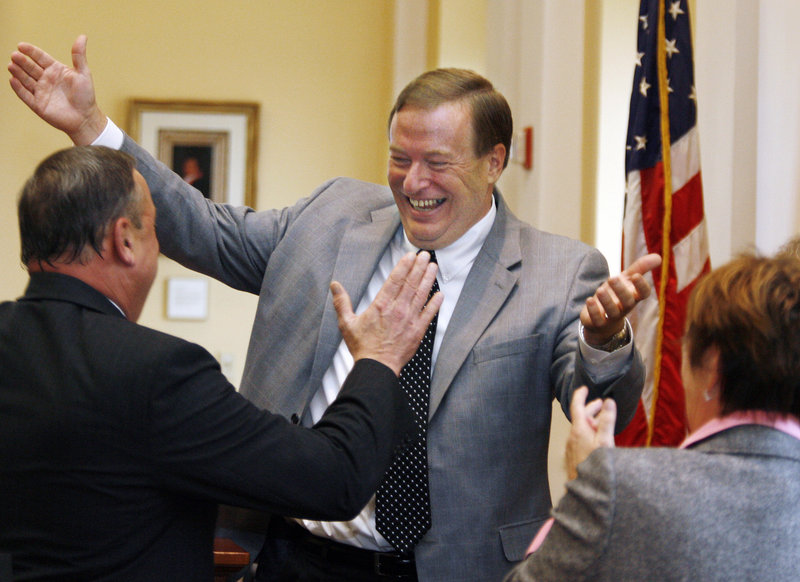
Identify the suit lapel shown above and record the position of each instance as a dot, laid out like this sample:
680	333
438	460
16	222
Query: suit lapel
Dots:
361	248
363	245
486	289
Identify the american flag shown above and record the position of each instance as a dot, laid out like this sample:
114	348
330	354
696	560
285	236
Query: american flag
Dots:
663	212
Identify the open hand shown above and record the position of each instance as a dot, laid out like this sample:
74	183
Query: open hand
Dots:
391	328
63	97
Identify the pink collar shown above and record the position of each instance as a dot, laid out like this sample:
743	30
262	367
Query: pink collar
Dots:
782	422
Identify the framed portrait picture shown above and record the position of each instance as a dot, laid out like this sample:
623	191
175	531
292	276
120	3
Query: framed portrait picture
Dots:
187	298
212	145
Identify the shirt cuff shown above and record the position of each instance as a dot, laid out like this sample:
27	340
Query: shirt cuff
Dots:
111	137
602	365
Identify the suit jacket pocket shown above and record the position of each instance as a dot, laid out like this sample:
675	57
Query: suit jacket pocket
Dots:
528	344
516	537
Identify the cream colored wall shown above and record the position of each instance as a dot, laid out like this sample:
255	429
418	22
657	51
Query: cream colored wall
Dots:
318	68
461	40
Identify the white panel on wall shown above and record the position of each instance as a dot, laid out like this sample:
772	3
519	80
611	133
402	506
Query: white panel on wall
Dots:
778	177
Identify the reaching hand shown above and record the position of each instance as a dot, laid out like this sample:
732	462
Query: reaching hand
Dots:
604	313
63	97
391	328
592	428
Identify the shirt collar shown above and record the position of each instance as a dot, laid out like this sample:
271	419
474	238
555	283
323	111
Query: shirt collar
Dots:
118	307
782	422
461	254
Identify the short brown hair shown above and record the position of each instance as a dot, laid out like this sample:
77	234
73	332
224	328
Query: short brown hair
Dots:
74	195
791	248
491	114
749	309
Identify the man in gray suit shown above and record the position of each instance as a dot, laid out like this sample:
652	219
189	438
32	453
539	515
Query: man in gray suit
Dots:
507	339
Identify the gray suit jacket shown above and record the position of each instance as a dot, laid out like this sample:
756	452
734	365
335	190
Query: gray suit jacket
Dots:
510	348
726	509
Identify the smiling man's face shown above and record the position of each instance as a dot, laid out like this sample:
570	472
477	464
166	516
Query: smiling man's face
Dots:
440	186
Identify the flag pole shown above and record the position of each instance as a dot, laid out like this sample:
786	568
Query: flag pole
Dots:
666	156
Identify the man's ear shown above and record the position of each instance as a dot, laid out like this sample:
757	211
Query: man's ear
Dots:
497	158
122	240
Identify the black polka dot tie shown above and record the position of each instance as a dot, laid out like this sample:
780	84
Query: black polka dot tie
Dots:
402	502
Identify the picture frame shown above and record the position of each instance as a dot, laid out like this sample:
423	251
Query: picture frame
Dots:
213	145
186	298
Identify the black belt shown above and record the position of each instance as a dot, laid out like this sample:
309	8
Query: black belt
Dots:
389	564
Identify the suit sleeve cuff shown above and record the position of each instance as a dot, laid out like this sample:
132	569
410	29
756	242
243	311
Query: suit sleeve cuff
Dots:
602	365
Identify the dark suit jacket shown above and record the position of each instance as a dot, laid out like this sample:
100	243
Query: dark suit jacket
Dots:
724	510
116	442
